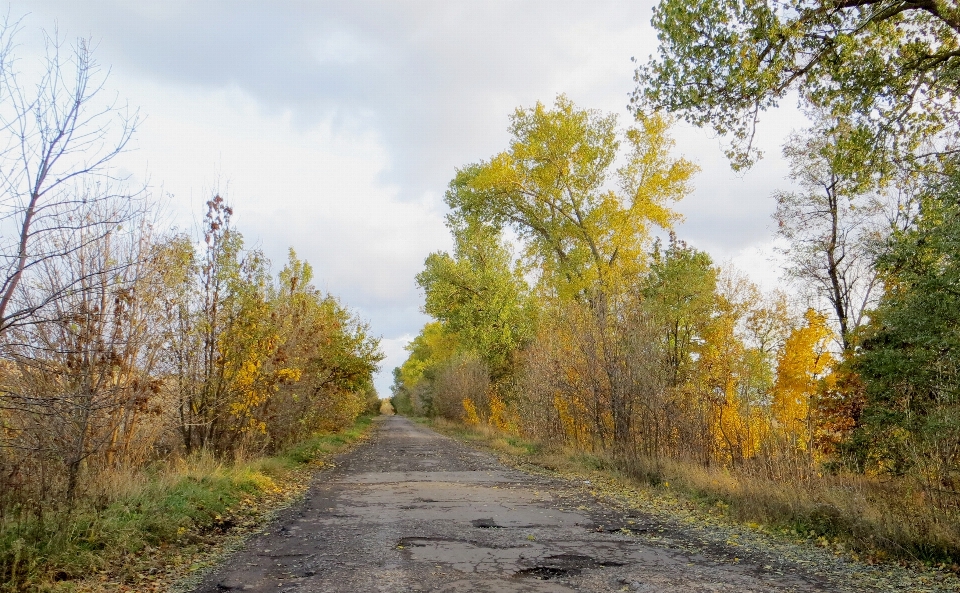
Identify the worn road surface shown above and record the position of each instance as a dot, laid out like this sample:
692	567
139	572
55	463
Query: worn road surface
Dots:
415	511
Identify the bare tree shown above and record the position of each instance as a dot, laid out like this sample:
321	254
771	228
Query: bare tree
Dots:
831	225
57	132
79	384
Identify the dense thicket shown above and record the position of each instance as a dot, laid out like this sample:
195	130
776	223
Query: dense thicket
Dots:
166	348
910	356
122	345
871	229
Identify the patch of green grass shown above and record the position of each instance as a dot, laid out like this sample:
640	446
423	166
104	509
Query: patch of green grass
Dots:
325	444
65	544
175	507
591	462
528	447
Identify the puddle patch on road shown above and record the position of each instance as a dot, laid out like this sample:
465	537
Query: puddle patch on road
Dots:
469	556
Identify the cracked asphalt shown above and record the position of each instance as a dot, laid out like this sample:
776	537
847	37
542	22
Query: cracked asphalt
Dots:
412	510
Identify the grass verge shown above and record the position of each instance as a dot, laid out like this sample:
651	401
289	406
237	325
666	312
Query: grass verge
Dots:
139	531
860	517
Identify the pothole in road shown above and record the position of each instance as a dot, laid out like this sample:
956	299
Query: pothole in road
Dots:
561	565
628	529
579	561
420	542
485	524
545	573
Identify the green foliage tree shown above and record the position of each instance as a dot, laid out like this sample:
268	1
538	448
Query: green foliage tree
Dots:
910	357
890	68
324	361
479	295
411	388
681	291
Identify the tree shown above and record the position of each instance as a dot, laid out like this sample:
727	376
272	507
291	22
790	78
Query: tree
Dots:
461	389
889	68
714	331
432	347
478	295
585	227
803	363
78	386
734	368
552	187
680	290
224	335
339	369
57	140
832	225
256	361
910	357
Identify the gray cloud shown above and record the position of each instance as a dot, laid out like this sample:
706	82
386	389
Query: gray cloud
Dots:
435	78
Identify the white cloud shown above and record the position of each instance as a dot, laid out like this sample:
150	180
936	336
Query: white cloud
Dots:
334	127
341	48
318	190
762	263
394	350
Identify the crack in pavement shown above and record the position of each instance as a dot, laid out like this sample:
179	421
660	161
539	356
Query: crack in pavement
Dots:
416	511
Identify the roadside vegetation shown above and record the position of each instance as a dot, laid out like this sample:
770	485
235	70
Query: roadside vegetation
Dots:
571	317
155	386
142	530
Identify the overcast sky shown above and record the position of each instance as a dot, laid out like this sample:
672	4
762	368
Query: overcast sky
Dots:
333	127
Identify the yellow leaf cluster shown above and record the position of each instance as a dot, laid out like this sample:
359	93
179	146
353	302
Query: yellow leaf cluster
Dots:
498	413
470	412
802	365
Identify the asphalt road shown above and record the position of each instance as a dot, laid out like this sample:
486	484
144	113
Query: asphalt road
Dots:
412	510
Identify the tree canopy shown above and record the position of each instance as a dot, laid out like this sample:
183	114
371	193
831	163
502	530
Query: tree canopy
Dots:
891	68
582	222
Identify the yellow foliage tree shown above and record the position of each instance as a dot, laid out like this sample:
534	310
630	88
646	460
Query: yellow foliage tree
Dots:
553	187
498	413
803	364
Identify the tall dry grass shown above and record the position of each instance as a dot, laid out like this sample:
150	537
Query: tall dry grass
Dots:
882	518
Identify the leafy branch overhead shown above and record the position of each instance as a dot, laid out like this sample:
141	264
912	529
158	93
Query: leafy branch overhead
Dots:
890	68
